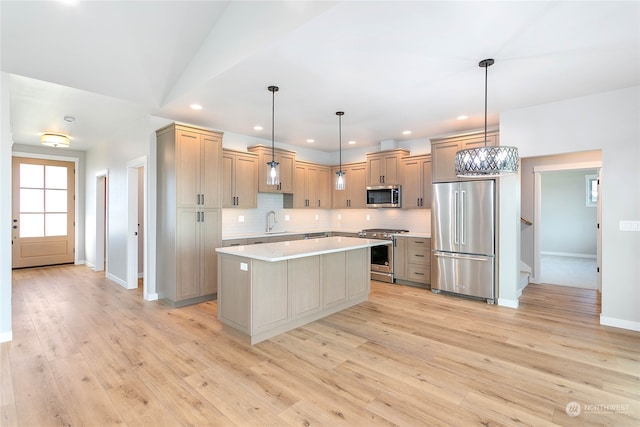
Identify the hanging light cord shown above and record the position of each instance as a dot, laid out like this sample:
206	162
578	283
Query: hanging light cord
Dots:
340	136
273	121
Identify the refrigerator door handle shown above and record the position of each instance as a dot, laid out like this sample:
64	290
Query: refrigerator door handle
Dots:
462	208
455	219
469	257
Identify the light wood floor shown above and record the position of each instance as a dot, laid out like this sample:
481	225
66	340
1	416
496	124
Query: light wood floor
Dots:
88	352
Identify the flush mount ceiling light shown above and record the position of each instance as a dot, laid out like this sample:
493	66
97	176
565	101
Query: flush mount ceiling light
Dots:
54	139
340	174
273	177
486	161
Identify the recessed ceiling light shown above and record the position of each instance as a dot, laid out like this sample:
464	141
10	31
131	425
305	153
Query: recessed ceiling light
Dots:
196	106
311	141
463	117
69	119
257	127
351	142
406	132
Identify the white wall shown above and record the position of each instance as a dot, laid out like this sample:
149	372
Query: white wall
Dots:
611	122
5	209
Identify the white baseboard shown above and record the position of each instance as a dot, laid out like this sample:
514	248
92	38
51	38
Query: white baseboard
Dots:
6	336
503	302
568	254
620	323
80	262
151	297
91	266
116	279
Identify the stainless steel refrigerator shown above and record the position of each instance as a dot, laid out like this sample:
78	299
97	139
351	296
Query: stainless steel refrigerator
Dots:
463	238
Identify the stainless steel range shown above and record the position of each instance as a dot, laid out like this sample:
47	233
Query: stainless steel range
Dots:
382	255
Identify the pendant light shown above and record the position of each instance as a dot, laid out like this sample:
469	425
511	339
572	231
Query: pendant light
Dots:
273	172
488	162
340	174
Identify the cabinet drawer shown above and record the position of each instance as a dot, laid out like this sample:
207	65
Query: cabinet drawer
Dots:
419	273
418	251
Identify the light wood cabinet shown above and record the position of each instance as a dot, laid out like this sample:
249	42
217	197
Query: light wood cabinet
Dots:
385	167
354	195
400	258
443	153
262	299
416	182
189	172
312	186
412	260
239	179
287	160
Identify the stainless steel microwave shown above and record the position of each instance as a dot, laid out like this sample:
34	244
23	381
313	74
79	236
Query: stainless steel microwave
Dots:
384	196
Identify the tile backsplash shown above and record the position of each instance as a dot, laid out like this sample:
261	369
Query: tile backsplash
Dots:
242	221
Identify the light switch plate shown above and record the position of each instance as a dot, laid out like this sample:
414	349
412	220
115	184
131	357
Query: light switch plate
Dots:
241	218
629	225
244	266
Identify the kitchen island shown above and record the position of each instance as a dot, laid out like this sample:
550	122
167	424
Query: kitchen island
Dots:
270	288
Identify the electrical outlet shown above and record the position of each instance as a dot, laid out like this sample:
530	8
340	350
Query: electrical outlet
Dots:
286	217
368	217
317	217
240	218
339	216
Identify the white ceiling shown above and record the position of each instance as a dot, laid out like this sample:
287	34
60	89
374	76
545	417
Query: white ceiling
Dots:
390	65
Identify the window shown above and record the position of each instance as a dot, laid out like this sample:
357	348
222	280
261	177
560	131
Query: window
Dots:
592	189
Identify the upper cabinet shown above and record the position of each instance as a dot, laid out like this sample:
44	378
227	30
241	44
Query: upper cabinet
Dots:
239	179
193	157
354	194
312	186
287	160
385	167
416	182
443	153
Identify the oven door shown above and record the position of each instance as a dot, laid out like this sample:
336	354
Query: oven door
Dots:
382	258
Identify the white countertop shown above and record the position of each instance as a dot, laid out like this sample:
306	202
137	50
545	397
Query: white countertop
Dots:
282	251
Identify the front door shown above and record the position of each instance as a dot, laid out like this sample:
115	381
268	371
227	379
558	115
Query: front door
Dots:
43	211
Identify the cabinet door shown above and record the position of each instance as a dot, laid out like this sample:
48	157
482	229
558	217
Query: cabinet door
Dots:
246	182
412	183
210	171
374	170
228	180
356	187
323	188
426	184
187	168
391	169
299	188
210	239
187	254
443	156
400	258
287	172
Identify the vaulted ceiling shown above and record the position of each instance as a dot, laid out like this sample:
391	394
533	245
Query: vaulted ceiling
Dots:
390	65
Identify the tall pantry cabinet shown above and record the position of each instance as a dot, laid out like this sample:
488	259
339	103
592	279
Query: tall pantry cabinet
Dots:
189	215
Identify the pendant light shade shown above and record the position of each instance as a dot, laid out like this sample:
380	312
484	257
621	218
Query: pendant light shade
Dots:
54	139
273	170
493	161
340	181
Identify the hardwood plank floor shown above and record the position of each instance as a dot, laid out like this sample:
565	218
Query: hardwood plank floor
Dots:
88	352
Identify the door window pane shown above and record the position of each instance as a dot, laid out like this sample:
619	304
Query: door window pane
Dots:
56	177
31	176
31	200
56	224
31	225
56	200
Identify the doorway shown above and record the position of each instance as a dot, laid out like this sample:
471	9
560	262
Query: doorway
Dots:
43	208
101	226
566	240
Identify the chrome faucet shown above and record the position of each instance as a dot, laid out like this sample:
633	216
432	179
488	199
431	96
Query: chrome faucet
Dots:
269	225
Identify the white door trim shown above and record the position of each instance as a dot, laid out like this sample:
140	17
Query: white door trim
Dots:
132	224
101	225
